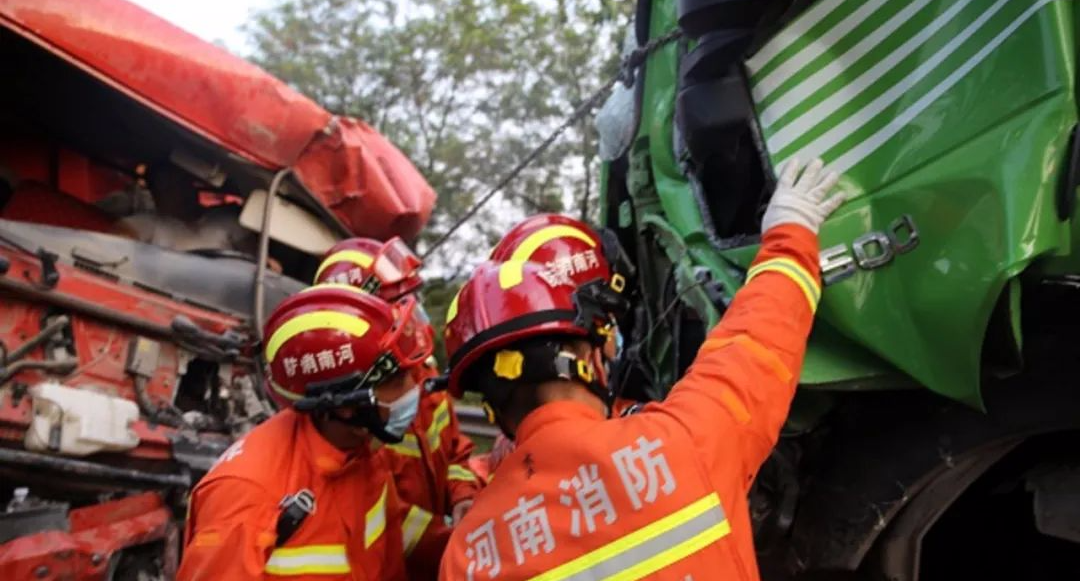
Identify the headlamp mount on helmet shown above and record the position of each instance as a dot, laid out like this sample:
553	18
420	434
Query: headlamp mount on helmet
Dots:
351	390
548	361
596	305
355	392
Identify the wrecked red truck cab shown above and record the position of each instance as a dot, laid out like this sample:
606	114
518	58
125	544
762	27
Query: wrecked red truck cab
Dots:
136	162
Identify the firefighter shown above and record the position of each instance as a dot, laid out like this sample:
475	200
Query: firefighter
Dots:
431	464
306	493
572	250
661	494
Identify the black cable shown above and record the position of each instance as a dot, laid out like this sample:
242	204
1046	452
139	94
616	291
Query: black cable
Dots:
667	310
626	72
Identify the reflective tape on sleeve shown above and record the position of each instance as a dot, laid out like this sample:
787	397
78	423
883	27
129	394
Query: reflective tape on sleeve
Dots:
407	447
650	548
793	271
414	527
439	422
308	560
375	521
460	473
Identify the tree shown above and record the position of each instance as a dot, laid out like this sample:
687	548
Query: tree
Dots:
466	88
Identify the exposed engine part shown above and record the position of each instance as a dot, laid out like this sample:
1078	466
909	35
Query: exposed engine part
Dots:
1057	500
80	422
54	326
225	346
49	275
142	362
57	367
143	357
255	409
165	414
12	363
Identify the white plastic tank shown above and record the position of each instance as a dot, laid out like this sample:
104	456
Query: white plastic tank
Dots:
80	422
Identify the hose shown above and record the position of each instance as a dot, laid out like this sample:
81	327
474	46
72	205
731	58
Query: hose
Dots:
54	327
166	415
264	251
57	367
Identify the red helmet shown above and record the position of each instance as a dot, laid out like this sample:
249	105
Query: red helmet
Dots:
330	342
570	250
488	313
390	270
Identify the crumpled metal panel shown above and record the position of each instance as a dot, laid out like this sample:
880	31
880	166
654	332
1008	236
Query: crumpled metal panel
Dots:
352	166
367	183
917	141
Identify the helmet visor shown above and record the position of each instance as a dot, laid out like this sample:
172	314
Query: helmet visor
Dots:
407	341
395	262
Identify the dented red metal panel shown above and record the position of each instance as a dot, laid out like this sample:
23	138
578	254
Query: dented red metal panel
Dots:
364	180
96	534
351	165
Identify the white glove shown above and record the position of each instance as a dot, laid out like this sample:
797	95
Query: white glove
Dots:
802	201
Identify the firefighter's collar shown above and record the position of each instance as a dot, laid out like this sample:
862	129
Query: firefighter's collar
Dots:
552	413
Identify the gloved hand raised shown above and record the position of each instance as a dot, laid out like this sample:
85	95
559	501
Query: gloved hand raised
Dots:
801	199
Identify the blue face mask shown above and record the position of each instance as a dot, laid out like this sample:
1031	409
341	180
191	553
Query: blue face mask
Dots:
402	412
618	343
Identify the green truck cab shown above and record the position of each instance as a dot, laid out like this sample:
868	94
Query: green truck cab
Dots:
939	399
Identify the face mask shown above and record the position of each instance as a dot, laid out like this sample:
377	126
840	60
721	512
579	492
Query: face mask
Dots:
402	412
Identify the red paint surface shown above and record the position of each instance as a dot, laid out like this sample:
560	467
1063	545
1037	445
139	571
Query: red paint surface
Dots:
96	533
369	185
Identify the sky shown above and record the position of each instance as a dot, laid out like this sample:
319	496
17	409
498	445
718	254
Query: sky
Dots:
210	20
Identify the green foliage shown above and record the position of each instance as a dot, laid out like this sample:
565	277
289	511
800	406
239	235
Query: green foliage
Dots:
465	87
437	294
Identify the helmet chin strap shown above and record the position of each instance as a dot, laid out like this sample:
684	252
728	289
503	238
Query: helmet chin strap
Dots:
496	418
367	417
570	367
357	393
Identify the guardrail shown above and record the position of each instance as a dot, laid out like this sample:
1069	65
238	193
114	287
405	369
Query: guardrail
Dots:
474	421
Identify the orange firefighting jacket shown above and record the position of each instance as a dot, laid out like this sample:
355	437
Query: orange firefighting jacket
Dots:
502	446
661	494
431	465
359	528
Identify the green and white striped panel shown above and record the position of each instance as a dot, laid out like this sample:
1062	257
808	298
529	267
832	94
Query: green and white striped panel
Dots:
847	76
